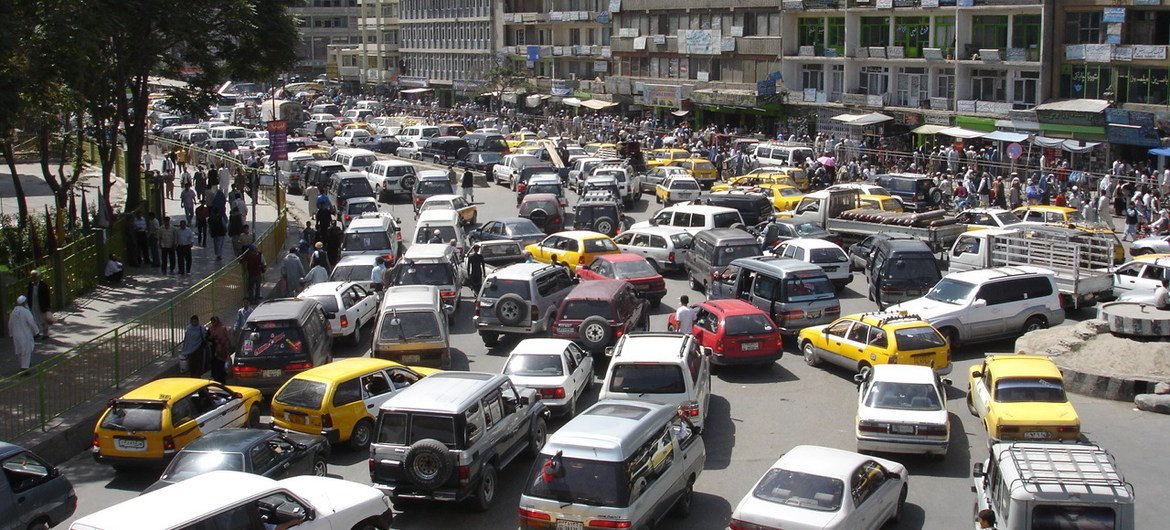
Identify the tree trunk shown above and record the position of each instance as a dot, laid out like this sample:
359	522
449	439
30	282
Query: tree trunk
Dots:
21	202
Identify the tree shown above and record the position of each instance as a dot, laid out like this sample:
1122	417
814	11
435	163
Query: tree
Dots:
12	68
504	75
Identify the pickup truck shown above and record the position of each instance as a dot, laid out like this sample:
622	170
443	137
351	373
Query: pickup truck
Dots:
827	209
1081	260
508	170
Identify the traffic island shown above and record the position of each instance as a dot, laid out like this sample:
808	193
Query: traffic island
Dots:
1096	362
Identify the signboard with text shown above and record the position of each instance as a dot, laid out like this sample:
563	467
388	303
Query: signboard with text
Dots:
278	140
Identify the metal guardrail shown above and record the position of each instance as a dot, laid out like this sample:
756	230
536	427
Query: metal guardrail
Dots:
76	376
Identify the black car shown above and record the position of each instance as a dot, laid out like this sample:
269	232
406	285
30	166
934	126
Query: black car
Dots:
600	214
501	253
481	160
268	453
446	149
781	230
479	142
518	229
859	252
383	143
754	208
918	192
345	185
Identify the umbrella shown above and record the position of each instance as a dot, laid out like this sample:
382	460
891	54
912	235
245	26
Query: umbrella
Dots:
827	161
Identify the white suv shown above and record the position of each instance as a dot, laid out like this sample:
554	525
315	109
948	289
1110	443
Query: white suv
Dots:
234	499
665	368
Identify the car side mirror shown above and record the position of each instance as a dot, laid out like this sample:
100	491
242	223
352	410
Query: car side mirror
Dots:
653	222
705	351
524	401
977	470
979	302
977	374
609	351
947	381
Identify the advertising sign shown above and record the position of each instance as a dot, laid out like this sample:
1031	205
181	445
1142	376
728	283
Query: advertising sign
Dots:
278	140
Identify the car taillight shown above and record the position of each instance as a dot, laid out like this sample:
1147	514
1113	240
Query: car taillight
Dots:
389	257
791	315
932	430
418	200
555	220
552	393
737	524
245	371
1063	430
835	310
607	523
869	426
168	443
298	366
371	466
97	441
348	218
690	408
534	518
344	321
1008	429
520	188
446	294
464	475
326	420
670	257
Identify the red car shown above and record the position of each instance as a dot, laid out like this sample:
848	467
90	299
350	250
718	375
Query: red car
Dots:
737	332
631	268
597	313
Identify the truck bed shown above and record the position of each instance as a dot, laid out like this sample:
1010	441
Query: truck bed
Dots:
938	238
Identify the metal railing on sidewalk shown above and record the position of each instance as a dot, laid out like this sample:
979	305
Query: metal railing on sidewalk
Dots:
72	378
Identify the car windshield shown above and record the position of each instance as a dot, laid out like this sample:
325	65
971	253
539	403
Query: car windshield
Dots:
328	301
554	189
355	209
747	325
808	230
490	157
903	396
582	309
495	288
806	288
647	379
801	490
827	255
600	245
923	270
434	187
726	255
394	428
408	326
422	274
951	291
682	240
578	481
301	393
1007	218
534	365
1024	389
271	339
634	269
134	416
724	220
365	241
918	338
436	205
427	234
188	464
351	273
497	250
788	192
1071	517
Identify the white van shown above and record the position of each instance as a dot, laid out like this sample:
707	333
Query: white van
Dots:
194	137
375	234
391	177
776	154
417	132
229	132
355	159
447	223
694	218
369	104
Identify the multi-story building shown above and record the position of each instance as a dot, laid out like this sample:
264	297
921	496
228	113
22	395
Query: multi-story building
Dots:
446	45
323	23
560	42
373	62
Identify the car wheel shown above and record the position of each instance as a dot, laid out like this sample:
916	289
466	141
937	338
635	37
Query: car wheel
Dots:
971	404
952	336
695	285
429	464
486	491
39	525
898	510
254	417
537	436
1035	323
359	438
864	370
511	309
604	225
320	468
595	333
407	182
655	302
490	339
682	507
810	354
355	338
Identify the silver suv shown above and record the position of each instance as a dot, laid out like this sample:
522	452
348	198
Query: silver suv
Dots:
520	299
445	437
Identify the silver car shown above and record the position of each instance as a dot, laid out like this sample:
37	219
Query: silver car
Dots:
520	299
665	247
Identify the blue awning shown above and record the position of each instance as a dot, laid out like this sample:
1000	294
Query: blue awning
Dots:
1161	151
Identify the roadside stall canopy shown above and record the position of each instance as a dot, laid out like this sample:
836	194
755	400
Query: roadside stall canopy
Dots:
862	120
959	132
416	90
597	104
1072	146
1003	136
572	102
680	113
1161	151
1091	106
929	129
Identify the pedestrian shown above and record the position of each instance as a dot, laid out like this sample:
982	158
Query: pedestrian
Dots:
187	198
114	270
312	192
200	182
202	214
184	240
292	272
451	174
685	315
23	329
985	519
333	239
317	274
152	227
1131	221
40	300
242	314
225	179
221	349
308	237
1162	295
254	268
191	360
1104	216
166	243
377	272
475	269
319	257
468	185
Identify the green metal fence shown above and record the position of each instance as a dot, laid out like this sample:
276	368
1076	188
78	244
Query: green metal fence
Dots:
78	375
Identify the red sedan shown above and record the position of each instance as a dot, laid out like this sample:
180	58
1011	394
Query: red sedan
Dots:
631	268
737	332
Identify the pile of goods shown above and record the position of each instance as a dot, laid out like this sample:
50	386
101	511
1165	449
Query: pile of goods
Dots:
921	220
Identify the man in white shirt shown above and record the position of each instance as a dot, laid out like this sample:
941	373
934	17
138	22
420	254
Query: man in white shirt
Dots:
1162	296
685	315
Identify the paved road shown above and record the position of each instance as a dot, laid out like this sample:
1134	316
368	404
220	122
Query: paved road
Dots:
755	416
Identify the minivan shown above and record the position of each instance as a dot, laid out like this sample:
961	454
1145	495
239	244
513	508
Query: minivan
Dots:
196	137
35	494
479	141
280	339
355	159
391	178
713	250
794	293
448	225
372	234
694	218
776	154
415	132
228	132
650	456
318	173
412	327
899	270
431	264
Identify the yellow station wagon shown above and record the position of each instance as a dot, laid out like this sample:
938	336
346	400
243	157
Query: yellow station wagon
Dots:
1021	397
858	342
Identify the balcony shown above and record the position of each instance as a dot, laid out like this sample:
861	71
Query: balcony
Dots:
660	5
349	71
918	4
965	106
999	55
810	5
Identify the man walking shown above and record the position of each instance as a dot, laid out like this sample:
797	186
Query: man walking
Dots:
166	242
292	271
187	197
184	240
468	185
39	301
475	269
191	349
254	266
685	315
202	214
221	349
23	329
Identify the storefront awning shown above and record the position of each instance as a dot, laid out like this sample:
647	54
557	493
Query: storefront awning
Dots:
1072	146
862	120
1074	105
597	104
1018	125
1161	151
680	113
959	132
929	129
572	102
1002	136
416	90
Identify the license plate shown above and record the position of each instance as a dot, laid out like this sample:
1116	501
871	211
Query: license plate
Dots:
830	269
130	445
1037	435
902	429
750	346
812	314
565	327
271	373
408	359
570	525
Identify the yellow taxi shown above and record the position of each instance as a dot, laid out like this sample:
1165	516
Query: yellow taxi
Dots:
666	156
757	179
515	139
148	425
858	342
594	148
798	175
361	125
1021	397
783	196
318	154
878	202
1070	218
340	400
575	248
701	168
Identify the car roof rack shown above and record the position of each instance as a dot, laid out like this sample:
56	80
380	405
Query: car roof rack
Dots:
659	334
1064	465
887	317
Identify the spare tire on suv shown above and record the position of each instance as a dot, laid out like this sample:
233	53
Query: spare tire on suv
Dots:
604	225
511	309
428	463
595	333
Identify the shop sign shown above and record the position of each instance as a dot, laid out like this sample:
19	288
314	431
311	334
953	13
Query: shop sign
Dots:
731	99
413	81
1131	128
662	95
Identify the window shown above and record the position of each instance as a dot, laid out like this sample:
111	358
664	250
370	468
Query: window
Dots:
1083	28
859	333
765	287
262	457
913	87
988	31
1026	34
913	34
867	480
347	392
23	471
835	35
875	31
944	35
836	82
1086	81
874	80
813	76
944	83
988	85
839	329
1144	85
1025	86
811	32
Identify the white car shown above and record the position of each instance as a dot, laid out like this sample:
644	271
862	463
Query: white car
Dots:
677	188
556	368
453	203
665	247
1150	245
348	306
824	254
1136	280
354	269
901	408
256	143
355	207
352	137
819	487
412	149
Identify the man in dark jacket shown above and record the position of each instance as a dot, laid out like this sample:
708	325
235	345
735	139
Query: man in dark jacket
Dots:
475	269
39	301
254	267
468	185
